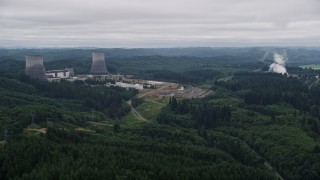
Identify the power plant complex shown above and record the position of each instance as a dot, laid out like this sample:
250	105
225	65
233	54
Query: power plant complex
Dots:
35	67
98	65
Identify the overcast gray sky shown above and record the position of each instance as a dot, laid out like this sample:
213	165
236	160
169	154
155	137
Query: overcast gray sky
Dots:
159	23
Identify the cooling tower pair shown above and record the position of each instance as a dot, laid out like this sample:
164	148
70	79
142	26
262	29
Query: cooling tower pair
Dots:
98	64
35	67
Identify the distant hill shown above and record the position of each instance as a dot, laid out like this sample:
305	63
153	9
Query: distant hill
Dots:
298	54
133	61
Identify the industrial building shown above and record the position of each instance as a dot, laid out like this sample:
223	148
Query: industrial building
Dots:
35	67
126	85
98	64
63	73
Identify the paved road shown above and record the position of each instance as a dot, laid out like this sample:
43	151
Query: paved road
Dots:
136	113
314	83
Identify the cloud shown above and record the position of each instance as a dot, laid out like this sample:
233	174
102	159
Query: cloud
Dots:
138	23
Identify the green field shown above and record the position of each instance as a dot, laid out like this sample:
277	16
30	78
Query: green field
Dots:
150	109
311	66
130	120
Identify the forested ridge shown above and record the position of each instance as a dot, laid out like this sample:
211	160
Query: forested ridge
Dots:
148	151
21	96
145	151
275	115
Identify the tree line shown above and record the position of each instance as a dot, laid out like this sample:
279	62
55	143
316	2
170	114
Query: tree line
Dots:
189	113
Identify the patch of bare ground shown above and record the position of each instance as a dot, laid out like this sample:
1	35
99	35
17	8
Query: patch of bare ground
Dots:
42	130
174	89
100	123
84	130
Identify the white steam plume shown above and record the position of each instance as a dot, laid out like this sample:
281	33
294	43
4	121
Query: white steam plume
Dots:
279	63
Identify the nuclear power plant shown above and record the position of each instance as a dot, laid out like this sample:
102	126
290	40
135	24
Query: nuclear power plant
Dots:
35	67
98	64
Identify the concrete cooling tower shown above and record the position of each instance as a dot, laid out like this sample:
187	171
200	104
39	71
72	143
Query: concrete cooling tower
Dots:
35	67
98	64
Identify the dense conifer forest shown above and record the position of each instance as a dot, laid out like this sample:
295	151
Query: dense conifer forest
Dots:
255	124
